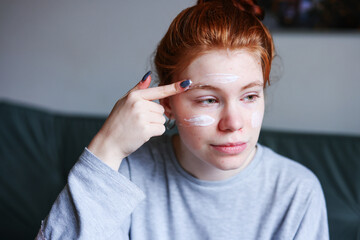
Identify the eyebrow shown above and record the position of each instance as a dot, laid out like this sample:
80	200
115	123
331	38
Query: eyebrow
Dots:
211	87
252	84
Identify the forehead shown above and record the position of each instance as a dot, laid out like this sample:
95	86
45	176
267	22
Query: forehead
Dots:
224	65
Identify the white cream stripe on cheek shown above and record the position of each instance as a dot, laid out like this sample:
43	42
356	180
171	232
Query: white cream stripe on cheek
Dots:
221	77
200	120
256	119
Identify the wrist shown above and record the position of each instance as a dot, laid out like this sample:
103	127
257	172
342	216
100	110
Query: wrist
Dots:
102	148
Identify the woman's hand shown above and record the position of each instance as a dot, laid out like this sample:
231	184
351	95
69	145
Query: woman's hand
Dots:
134	119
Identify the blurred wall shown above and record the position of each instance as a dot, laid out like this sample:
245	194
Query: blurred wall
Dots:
81	56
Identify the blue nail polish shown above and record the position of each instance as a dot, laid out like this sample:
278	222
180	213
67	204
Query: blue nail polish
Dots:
186	83
146	76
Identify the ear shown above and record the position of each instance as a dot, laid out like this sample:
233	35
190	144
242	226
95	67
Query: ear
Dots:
165	102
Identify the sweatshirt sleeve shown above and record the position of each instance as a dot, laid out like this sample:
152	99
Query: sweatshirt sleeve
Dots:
96	203
314	224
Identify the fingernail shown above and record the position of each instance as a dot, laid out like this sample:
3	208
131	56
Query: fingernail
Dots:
146	76
185	83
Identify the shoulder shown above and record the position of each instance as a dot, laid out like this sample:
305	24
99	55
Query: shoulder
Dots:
297	193
288	172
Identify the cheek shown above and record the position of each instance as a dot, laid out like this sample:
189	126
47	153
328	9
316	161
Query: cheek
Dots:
194	129
195	126
256	119
190	117
255	114
199	121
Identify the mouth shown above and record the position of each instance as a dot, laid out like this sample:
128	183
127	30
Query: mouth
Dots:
230	148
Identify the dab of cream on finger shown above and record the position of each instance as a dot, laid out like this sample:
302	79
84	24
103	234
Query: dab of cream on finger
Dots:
256	119
221	77
200	120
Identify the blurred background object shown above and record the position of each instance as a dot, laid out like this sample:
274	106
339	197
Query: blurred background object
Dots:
312	14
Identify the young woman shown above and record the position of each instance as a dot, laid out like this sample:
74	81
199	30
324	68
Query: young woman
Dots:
212	180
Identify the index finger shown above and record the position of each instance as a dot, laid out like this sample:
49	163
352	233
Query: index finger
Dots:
166	90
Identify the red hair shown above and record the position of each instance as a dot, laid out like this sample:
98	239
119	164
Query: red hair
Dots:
212	25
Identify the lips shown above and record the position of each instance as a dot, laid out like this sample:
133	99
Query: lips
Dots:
230	148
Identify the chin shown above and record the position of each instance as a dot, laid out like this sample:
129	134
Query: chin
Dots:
229	164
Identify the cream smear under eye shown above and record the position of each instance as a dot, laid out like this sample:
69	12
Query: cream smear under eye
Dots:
200	120
256	119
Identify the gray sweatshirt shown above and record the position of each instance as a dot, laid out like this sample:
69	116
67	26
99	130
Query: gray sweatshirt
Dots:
153	197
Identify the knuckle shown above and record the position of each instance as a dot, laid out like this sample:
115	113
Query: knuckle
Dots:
145	129
133	95
138	120
163	129
147	132
141	117
163	120
136	105
160	130
168	90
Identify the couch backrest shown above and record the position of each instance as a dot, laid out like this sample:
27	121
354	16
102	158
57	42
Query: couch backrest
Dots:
37	150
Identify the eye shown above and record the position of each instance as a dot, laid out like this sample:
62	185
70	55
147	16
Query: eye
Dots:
207	101
250	98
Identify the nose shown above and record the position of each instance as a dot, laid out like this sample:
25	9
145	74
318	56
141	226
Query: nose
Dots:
231	119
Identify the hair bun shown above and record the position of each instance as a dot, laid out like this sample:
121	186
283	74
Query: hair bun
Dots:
249	6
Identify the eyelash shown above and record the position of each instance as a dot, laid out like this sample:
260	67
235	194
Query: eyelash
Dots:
254	96
206	101
211	101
